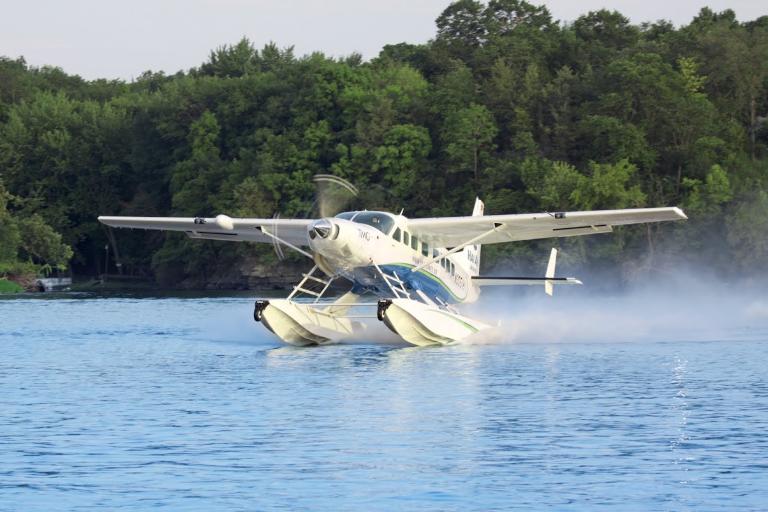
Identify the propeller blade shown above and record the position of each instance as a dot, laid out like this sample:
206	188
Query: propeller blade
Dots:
275	244
332	194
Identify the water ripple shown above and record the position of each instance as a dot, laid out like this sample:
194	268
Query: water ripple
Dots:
129	404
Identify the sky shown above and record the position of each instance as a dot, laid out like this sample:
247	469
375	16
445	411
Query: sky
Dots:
108	39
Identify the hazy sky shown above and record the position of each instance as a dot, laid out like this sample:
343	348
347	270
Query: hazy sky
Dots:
106	39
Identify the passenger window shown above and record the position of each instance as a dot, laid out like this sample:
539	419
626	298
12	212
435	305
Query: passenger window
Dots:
434	253
425	249
414	243
406	238
453	268
396	234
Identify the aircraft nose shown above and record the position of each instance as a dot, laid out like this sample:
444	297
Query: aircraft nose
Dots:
323	228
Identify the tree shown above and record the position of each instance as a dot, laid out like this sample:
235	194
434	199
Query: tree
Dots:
402	159
453	90
747	226
609	187
603	34
735	59
10	237
706	198
232	61
195	178
608	139
468	137
504	16
552	183
560	186
27	244
42	244
461	28
383	96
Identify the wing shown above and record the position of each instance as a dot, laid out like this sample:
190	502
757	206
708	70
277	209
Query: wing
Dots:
453	231
221	227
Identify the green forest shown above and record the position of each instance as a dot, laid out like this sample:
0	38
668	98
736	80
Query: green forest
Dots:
504	102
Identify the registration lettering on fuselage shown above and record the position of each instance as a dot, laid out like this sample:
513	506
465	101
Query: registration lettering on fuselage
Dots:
457	278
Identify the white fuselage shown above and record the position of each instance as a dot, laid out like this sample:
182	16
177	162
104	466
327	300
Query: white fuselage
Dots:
362	252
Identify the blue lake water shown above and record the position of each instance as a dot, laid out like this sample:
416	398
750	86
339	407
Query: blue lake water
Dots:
186	404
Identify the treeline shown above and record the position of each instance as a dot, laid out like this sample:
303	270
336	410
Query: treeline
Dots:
505	103
28	245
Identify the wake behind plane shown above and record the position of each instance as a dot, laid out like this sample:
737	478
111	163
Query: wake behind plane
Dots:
418	271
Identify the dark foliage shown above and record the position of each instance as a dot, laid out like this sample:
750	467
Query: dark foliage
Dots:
505	103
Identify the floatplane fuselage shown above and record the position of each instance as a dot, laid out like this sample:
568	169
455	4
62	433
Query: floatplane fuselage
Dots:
366	245
411	274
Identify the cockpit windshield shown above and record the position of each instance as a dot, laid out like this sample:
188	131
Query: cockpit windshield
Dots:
382	221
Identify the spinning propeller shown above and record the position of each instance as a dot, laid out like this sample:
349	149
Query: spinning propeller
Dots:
332	195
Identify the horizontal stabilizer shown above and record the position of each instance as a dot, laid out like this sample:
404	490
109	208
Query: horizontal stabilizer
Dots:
549	279
520	281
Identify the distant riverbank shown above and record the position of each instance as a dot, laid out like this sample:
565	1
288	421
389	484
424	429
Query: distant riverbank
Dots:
7	286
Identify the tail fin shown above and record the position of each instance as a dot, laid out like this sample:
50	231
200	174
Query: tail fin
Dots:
548	288
471	253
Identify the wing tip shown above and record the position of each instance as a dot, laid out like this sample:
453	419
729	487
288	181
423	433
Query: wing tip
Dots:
680	213
108	220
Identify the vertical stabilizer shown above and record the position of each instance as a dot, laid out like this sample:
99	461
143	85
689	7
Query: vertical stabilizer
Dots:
471	253
548	288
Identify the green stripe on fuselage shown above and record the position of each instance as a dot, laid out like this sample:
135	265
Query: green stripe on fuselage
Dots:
429	275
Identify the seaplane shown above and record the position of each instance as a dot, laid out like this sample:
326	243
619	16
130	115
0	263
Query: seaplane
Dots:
413	275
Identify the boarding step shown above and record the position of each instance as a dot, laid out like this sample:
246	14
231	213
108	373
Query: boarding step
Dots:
310	278
395	284
317	279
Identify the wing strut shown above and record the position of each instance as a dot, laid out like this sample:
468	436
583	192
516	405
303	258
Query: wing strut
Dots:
496	226
281	241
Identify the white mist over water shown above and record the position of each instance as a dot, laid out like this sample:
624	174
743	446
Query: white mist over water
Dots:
757	310
680	309
684	309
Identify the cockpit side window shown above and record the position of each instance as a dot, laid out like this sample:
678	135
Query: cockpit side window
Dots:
379	220
396	234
